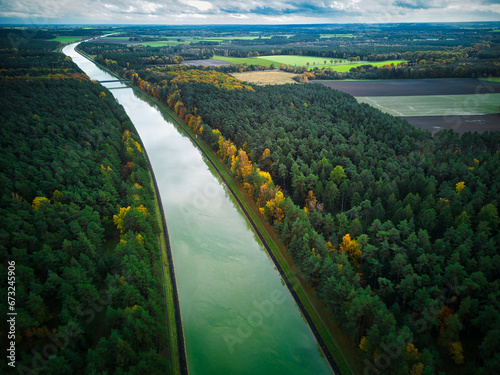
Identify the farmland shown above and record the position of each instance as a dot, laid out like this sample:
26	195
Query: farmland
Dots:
460	124
273	77
432	104
435	105
414	87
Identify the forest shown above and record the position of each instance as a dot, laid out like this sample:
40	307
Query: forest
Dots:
78	222
396	230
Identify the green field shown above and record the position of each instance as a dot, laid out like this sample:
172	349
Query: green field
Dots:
491	79
294	60
243	60
67	39
435	105
347	66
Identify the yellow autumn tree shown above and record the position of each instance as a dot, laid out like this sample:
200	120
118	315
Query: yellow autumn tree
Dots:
266	177
138	146
227	149
273	207
142	209
119	219
266	153
195	125
457	352
330	247
412	351
221	143
352	248
460	186
417	369
363	345
241	165
38	202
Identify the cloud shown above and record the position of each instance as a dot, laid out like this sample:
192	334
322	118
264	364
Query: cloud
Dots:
199	5
426	4
249	11
413	4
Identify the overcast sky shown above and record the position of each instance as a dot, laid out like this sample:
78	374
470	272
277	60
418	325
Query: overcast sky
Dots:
245	11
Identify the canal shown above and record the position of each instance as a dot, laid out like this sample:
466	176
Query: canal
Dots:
237	314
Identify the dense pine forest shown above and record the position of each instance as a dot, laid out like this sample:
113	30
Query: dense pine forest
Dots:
397	231
78	223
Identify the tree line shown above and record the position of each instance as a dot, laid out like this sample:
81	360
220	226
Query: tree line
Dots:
138	56
77	218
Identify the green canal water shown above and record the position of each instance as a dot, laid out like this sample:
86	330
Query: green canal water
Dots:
238	316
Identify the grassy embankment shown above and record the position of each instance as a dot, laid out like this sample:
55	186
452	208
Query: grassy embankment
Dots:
169	293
